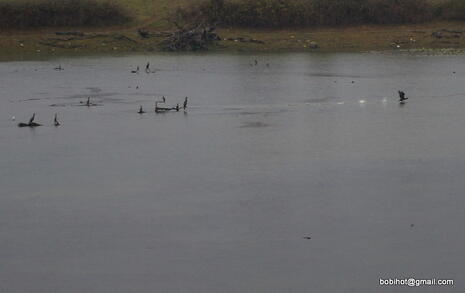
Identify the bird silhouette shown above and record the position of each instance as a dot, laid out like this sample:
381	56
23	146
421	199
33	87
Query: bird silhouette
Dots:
184	106
402	97
55	120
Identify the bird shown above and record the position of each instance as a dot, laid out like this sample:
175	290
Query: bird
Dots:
31	122
135	71
59	68
177	107
147	67
141	111
88	102
163	99
402	97
32	119
256	62
307	237
55	120
185	103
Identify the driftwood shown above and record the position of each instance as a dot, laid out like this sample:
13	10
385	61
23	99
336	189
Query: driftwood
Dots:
31	124
447	33
198	38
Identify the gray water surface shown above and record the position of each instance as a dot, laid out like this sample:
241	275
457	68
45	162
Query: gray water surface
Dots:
220	198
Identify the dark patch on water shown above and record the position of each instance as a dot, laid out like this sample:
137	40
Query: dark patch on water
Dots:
255	124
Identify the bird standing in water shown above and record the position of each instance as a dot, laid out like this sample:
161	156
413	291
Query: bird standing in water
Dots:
135	71
88	102
402	97
141	111
32	119
185	103
55	120
147	67
31	122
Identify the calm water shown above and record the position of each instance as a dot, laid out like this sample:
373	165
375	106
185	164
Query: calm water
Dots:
220	198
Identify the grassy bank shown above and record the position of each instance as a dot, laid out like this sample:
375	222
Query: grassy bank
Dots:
155	16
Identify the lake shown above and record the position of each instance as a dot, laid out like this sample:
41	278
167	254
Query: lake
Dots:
302	173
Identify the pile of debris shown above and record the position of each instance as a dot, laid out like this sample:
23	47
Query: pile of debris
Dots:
198	38
447	34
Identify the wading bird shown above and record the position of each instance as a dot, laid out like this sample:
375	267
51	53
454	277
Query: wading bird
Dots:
55	120
184	106
31	122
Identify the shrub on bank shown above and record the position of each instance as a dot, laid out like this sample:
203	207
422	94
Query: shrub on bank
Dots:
60	13
288	13
453	10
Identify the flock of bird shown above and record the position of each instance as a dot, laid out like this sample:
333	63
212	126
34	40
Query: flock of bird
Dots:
88	103
158	109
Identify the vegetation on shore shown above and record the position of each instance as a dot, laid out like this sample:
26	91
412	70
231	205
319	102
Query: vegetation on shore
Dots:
442	27
311	13
60	13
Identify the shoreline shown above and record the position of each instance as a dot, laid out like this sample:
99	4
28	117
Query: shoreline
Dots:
427	38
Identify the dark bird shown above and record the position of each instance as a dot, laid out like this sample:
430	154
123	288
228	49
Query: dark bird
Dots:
59	68
55	120
163	99
256	62
135	71
402	97
88	102
31	122
141	111
184	106
32	118
177	107
147	67
307	237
